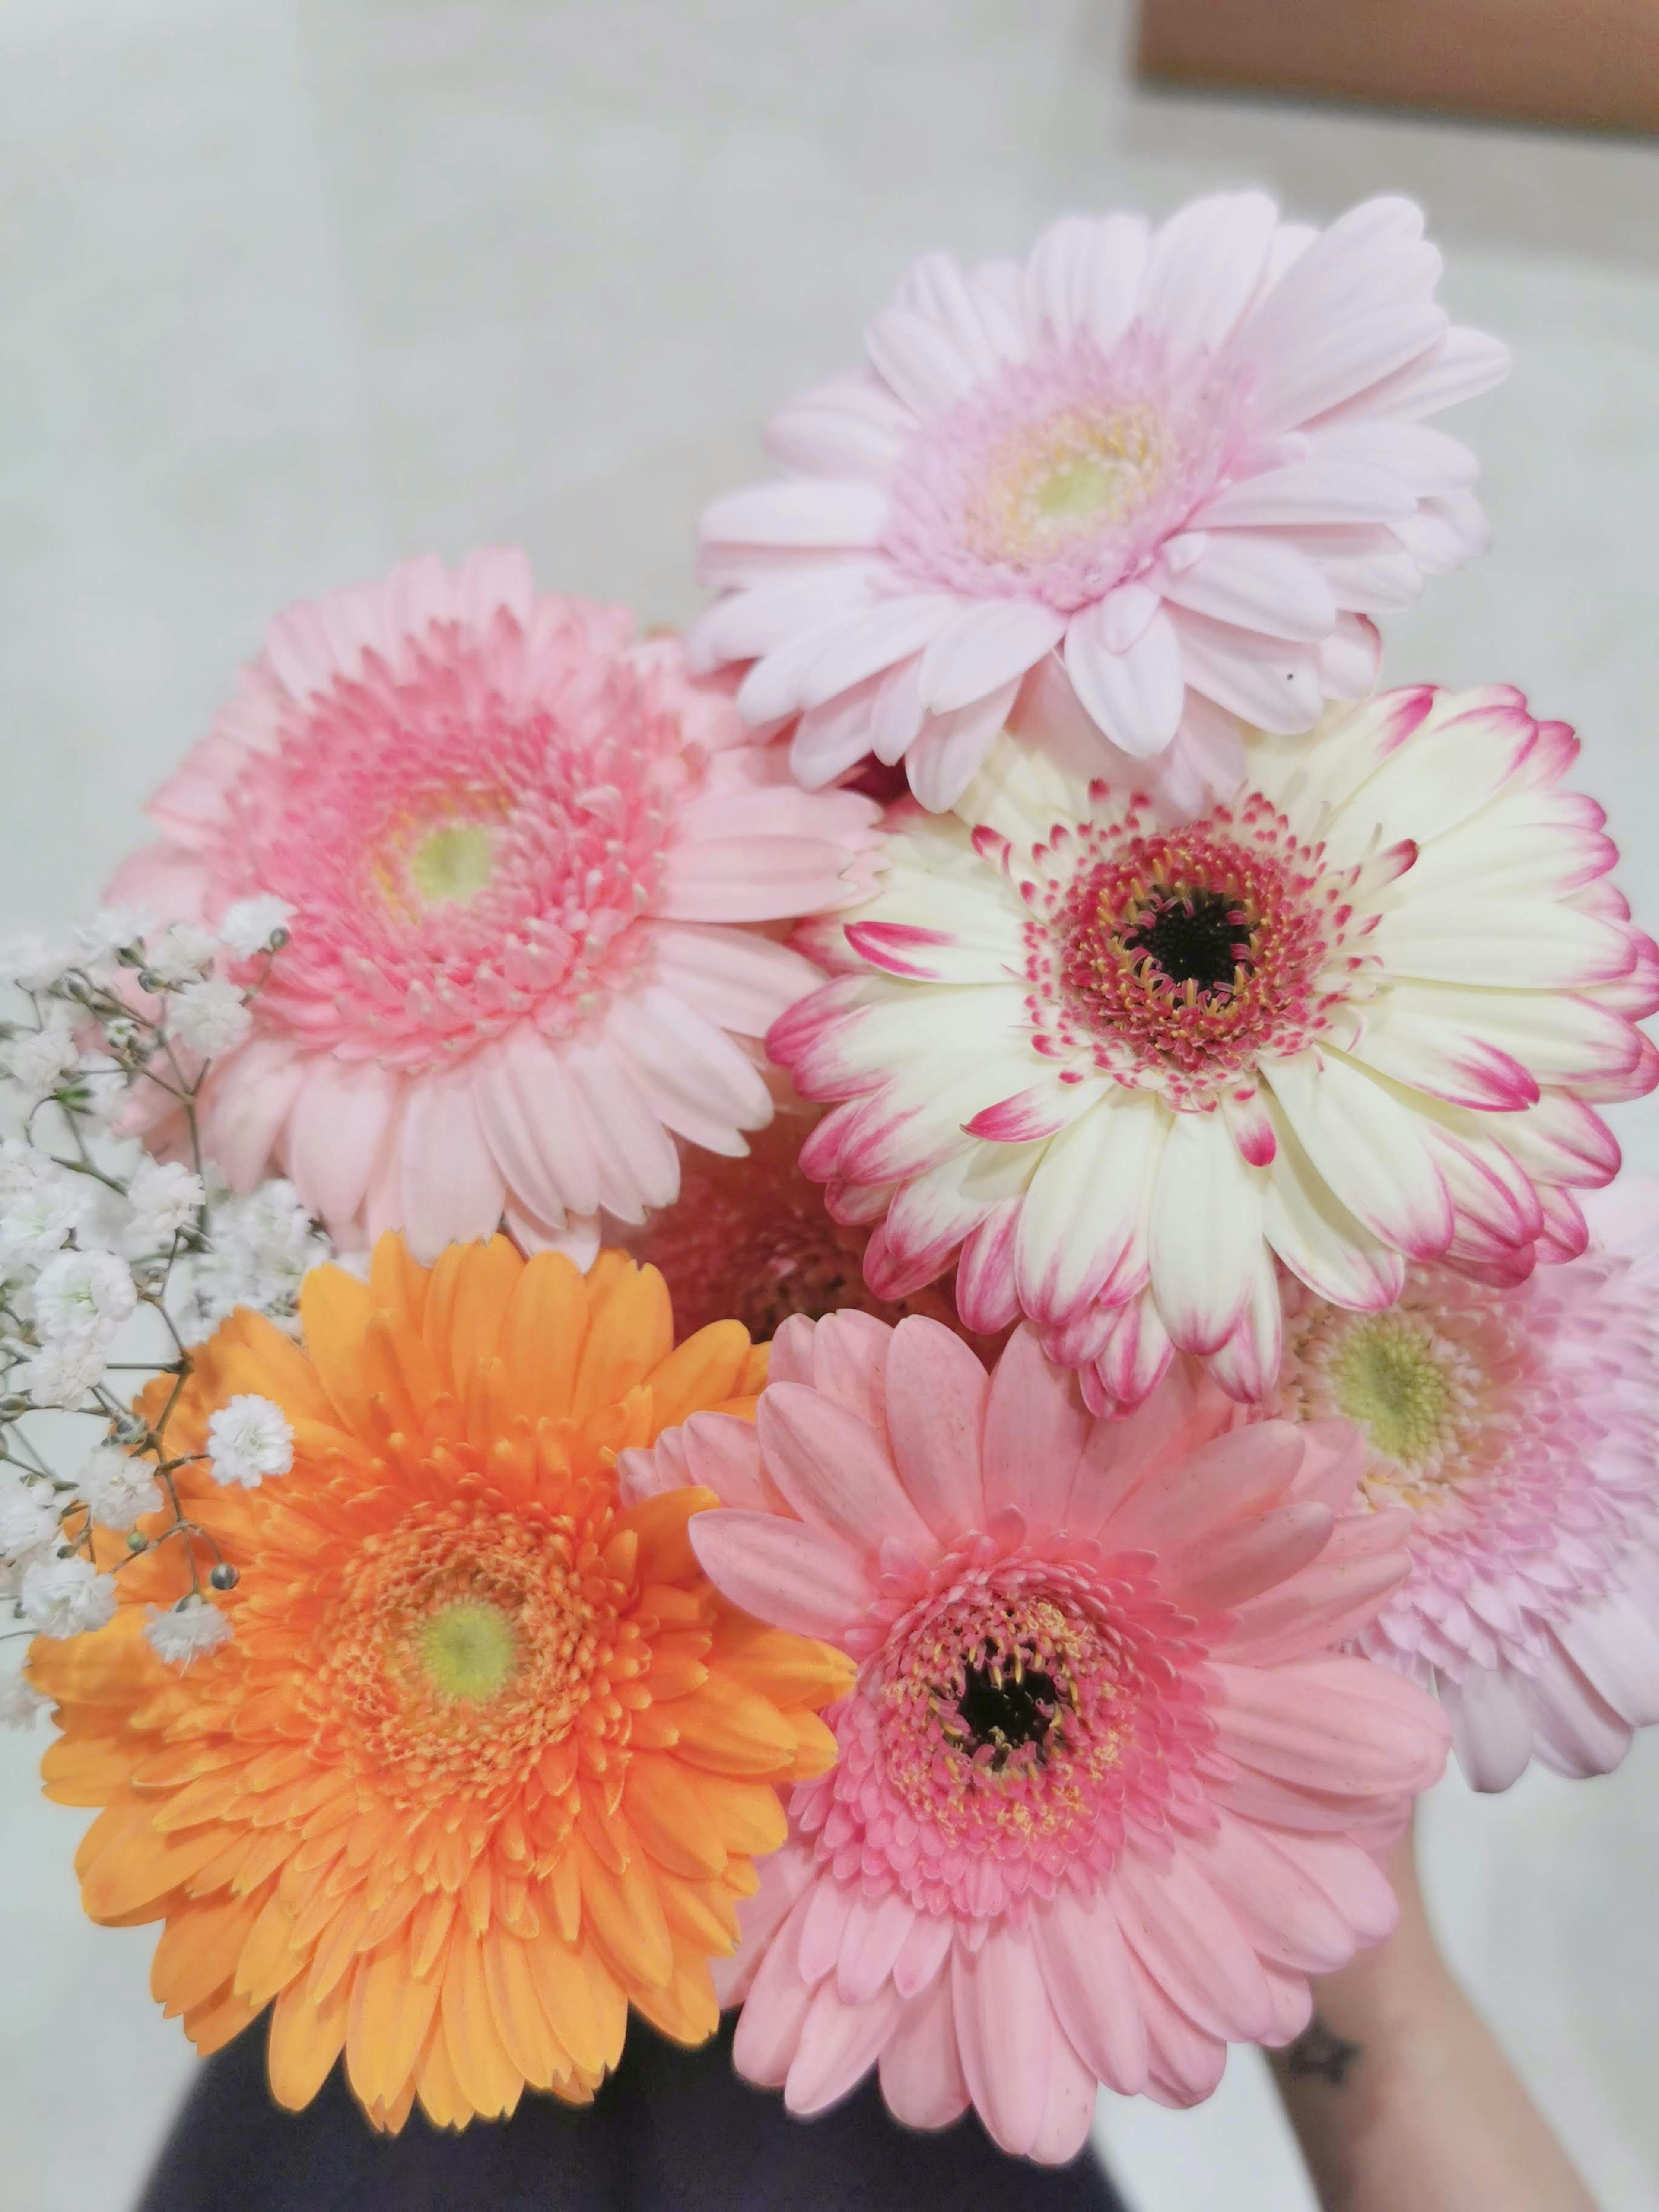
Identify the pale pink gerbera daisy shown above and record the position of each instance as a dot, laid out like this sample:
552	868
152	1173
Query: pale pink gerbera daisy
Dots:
1520	1429
521	848
1106	1795
1349	1018
1190	464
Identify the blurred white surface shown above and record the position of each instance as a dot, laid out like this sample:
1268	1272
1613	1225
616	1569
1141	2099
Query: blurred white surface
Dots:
296	288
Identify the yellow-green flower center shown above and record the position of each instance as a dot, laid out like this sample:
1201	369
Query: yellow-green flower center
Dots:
1081	471
453	861
469	1650
1387	1378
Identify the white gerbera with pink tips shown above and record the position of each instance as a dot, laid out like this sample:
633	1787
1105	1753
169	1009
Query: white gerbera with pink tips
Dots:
1106	1793
525	855
1351	1018
1520	1430
1189	462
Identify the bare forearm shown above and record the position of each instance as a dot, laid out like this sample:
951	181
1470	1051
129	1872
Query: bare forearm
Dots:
1401	2098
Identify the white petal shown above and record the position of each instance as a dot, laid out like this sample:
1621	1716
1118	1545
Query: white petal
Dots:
1084	1219
1519	944
945	759
1257	583
1134	696
1204	1234
1273	686
1313	491
982	648
1369	1148
873	640
799	511
1205	266
922	363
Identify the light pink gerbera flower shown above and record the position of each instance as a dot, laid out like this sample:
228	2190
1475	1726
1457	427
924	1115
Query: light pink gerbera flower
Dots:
1106	1795
1189	463
1520	1428
1350	1018
521	848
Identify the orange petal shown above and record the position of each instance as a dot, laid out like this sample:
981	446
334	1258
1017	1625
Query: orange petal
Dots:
662	1800
390	2014
543	1336
631	1332
483	2072
305	2039
626	1915
488	1277
698	1373
684	2008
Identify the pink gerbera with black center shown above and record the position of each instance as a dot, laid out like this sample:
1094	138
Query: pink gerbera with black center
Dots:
1106	1793
1187	466
532	867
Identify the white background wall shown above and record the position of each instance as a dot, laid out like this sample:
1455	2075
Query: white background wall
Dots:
292	288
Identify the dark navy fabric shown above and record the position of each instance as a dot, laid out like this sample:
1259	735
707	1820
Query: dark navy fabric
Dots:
674	2131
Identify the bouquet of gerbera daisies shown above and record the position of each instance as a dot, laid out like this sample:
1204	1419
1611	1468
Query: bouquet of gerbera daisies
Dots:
886	1315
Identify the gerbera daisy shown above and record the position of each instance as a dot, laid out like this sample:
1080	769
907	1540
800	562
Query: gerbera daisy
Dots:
1189	463
486	1758
1106	1795
753	1239
1352	1015
522	850
1520	1429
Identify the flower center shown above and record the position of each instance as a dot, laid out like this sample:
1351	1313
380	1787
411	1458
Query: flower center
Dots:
1437	1392
1389	1381
1182	958
469	1650
1065	480
1201	937
1003	1709
1019	1715
465	1641
454	862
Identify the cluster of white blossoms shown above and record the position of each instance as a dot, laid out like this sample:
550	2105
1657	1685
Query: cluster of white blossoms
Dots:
114	1263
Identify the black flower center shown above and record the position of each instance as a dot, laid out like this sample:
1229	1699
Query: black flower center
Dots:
1197	937
1003	1709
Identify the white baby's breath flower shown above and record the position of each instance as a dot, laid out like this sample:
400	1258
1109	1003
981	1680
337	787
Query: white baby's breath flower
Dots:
42	1061
210	1017
28	1515
83	1296
263	1247
165	1198
60	1374
187	1630
40	1205
117	1489
113	929
248	1439
248	926
21	1703
32	961
182	954
66	1597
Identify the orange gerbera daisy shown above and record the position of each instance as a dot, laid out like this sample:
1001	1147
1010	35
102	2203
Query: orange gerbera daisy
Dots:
486	1757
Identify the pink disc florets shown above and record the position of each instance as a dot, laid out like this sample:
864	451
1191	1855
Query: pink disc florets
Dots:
467	848
1061	478
523	852
1019	1712
1176	959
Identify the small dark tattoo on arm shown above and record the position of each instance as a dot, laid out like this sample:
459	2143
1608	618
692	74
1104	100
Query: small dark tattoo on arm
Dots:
1317	2052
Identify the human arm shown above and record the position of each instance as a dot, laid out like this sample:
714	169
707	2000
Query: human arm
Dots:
1399	2096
